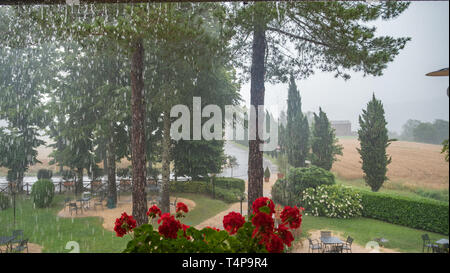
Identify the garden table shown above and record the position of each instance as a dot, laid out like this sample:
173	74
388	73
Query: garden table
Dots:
334	242
7	241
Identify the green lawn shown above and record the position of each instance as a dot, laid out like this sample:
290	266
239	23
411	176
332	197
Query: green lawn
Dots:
205	208
43	227
399	189
363	230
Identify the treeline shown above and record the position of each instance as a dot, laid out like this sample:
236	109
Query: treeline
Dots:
427	132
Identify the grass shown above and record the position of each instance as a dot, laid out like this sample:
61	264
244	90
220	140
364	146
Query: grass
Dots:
44	227
399	189
205	208
363	230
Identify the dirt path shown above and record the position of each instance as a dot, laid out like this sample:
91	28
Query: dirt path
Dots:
32	248
109	215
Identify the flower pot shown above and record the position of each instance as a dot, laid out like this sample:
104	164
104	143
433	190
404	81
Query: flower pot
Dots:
280	175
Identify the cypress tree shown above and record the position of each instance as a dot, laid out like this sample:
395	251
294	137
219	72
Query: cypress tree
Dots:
324	142
297	128
373	137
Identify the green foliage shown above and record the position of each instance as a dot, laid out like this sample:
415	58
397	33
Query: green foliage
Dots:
230	183
96	172
148	240
67	175
426	132
198	158
417	213
123	172
267	172
282	163
11	176
373	137
445	149
5	201
334	201
324	142
42	193
288	191
297	128
44	174
226	189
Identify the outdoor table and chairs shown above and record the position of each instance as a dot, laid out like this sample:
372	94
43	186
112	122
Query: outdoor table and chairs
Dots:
441	246
16	238
7	242
332	244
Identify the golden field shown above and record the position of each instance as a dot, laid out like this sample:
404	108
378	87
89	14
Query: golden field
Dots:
413	164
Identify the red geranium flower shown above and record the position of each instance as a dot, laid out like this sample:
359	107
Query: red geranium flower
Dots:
153	211
261	202
291	216
233	221
275	244
169	226
182	207
263	220
185	227
285	235
124	224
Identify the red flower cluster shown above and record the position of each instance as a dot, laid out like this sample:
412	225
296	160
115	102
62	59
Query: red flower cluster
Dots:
232	222
169	226
263	202
291	216
180	208
153	211
264	230
274	239
285	235
124	224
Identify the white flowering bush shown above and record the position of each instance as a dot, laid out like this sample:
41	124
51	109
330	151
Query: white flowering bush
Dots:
334	201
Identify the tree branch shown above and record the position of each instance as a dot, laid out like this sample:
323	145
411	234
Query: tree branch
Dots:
297	37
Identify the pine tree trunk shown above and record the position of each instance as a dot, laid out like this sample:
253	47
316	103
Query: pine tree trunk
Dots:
79	183
165	192
112	187
255	157
138	133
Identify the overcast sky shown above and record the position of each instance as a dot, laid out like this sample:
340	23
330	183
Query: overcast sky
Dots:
404	89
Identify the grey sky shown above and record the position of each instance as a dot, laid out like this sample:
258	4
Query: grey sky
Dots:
404	89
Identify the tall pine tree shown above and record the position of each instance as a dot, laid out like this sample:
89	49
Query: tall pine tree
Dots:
297	128
324	142
373	137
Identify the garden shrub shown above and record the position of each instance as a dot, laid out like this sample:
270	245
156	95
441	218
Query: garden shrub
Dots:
123	172
42	193
44	174
288	190
420	213
226	189
335	201
230	183
5	201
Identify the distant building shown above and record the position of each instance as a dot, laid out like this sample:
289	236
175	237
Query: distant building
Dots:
342	127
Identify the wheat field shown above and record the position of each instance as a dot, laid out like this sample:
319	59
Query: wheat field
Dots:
413	164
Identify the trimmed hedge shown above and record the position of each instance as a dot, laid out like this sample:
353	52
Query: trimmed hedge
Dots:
225	189
417	213
5	201
230	183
